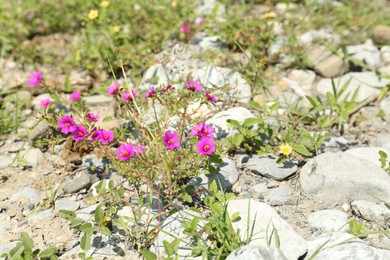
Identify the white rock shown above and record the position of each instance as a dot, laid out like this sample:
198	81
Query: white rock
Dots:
371	211
385	106
36	102
341	177
315	35
305	78
367	53
66	204
328	220
97	100
368	153
250	252
26	193
33	156
262	216
385	54
383	140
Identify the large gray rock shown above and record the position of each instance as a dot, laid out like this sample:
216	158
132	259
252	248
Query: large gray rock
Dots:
79	180
267	166
250	252
341	177
325	63
371	211
367	53
279	196
368	153
328	220
367	83
262	216
341	246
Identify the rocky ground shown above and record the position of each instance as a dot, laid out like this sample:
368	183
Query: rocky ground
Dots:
308	202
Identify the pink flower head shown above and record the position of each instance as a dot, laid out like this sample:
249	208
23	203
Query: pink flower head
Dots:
79	133
185	28
95	135
45	102
113	88
150	93
106	136
67	124
92	117
139	150
167	88
210	97
171	140
128	95
194	86
206	146
199	21
35	79
125	151
202	130
75	96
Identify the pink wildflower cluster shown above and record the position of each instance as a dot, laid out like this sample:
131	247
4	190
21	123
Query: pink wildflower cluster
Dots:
126	151
79	132
206	144
75	96
35	79
113	88
128	95
171	140
196	86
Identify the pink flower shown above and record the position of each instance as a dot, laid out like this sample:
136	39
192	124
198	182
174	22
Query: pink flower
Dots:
125	151
199	21
75	96
210	97
185	28
113	88
194	86
79	133
150	93
202	130
128	95
92	117
171	140
95	136
139	150
206	146
67	124
35	79
167	88
45	102
106	136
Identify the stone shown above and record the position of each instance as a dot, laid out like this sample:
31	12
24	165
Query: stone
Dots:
262	216
272	184
266	166
385	106
209	7
368	153
66	204
305	78
339	246
38	217
259	188
316	35
97	100
5	161
383	140
36	102
367	82
40	131
6	247
328	220
207	42
87	212
250	252
334	144
341	177
325	63
172	228
381	34
385	54
371	211
279	196
79	180
218	121
28	194
33	156
367	53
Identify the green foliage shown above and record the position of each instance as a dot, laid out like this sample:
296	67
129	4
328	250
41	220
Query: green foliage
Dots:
385	163
357	229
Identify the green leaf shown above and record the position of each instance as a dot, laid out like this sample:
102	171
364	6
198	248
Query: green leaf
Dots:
275	106
99	214
85	243
107	119
68	214
148	255
111	184
48	251
255	105
105	230
250	122
234	123
81	255
383	157
213	187
26	240
86	227
235	216
299	148
171	248
237	139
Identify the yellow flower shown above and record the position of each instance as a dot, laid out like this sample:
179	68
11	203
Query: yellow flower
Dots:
116	28
285	149
93	14
173	4
104	4
269	15
106	219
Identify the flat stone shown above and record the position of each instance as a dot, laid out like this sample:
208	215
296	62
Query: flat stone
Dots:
325	63
322	176
315	35
385	106
26	193
371	211
279	196
250	252
218	121
48	213
383	140
370	154
97	100
86	213
367	83
367	53
259	188
5	161
40	131
381	34
305	78
385	54
340	246
80	180
66	204
262	216
328	220
266	166
334	144
33	156
6	247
